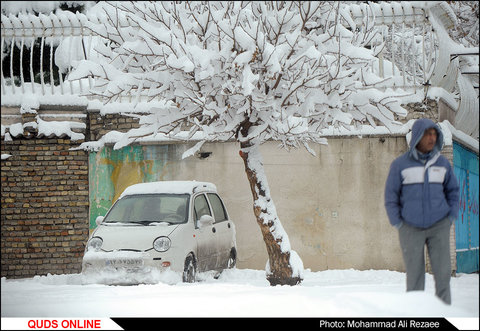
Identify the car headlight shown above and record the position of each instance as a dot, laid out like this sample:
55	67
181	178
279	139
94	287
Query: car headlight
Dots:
94	244
162	244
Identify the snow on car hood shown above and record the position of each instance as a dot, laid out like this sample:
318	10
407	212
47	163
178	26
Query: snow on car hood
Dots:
135	237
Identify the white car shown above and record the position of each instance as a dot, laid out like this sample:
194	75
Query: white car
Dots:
178	225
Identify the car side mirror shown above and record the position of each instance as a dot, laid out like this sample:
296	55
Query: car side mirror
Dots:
205	220
99	220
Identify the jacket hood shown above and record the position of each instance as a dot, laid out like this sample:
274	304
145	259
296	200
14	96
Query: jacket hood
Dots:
418	129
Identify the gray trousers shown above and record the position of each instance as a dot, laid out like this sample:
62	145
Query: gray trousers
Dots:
437	239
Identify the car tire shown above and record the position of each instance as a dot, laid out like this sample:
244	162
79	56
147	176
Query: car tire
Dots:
232	260
190	270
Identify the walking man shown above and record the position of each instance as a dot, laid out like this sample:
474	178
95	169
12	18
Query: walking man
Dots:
421	199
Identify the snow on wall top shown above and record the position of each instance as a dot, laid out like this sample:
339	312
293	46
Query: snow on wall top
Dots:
47	129
28	118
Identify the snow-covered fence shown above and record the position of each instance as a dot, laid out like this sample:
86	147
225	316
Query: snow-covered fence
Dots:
38	36
404	41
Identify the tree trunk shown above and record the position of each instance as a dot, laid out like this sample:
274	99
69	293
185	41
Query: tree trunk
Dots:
284	267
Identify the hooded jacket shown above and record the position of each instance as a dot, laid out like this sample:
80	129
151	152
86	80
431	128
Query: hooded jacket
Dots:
421	189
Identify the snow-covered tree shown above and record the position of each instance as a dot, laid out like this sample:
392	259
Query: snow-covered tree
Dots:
466	31
243	71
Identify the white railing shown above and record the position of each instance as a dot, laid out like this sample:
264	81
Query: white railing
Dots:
407	41
38	36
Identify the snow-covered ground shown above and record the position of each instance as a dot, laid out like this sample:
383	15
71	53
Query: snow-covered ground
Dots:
239	293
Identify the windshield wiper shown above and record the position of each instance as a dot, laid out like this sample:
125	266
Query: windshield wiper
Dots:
153	222
144	222
120	223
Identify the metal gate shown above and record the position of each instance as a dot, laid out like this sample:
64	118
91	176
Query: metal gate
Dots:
465	164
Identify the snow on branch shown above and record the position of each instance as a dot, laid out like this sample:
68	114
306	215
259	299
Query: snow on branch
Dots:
249	71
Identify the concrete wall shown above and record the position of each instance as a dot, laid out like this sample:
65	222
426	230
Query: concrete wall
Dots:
330	205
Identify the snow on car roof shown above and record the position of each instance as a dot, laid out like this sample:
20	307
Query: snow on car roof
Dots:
175	187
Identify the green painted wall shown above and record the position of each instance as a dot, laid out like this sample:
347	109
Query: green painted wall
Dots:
111	171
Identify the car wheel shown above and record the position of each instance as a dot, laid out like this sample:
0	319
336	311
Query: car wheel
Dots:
232	260
189	271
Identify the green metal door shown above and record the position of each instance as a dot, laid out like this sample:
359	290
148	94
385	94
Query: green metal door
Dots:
465	164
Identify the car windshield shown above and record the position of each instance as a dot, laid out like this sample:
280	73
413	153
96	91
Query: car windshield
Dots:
149	209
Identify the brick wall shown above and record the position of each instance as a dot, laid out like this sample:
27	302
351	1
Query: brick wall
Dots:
44	198
100	125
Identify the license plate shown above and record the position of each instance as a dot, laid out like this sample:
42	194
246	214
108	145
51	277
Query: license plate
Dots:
125	263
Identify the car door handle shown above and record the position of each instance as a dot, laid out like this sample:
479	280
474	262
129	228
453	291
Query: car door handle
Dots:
213	230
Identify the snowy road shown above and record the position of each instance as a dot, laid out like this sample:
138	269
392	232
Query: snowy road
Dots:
239	293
